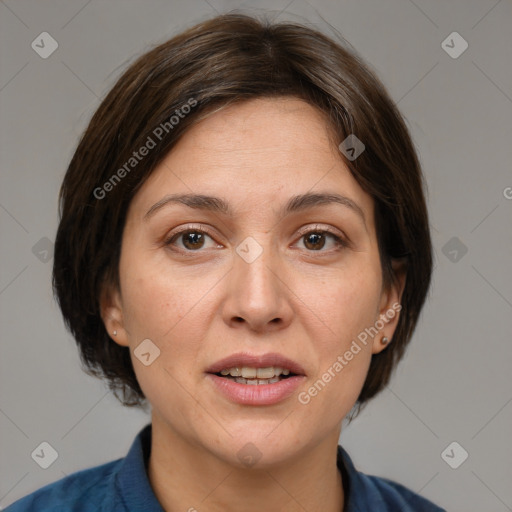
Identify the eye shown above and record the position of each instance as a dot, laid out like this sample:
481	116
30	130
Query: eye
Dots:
192	239
315	240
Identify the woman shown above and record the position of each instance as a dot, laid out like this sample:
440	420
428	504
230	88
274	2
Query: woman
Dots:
243	244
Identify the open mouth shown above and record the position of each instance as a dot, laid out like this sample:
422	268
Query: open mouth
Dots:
255	376
256	380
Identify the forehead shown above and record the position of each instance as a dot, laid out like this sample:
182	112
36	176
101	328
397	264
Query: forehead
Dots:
259	152
270	128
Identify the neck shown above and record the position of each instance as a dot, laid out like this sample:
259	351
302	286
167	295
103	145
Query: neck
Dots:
189	478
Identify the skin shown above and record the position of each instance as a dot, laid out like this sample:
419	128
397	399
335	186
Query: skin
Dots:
307	301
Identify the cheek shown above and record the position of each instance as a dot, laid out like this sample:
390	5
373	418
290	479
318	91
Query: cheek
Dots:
161	307
156	300
348	305
172	308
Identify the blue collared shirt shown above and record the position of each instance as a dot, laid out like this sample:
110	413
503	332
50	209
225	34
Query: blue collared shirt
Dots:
123	486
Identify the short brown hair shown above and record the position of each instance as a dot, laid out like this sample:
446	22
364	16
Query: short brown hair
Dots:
224	60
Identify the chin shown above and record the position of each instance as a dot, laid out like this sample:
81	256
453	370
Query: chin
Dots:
258	451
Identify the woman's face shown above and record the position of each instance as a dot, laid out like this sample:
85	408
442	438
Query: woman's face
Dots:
249	281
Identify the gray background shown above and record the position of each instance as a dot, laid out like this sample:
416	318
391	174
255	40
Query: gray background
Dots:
454	384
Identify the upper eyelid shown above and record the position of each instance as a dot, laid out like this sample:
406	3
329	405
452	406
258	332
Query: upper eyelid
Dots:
318	227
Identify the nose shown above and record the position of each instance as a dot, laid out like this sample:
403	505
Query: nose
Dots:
258	296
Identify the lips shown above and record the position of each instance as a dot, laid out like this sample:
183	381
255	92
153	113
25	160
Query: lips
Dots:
256	361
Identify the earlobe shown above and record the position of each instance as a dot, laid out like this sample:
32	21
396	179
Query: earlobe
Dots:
112	315
380	343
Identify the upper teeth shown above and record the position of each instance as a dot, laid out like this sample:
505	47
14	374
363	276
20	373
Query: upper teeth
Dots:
255	373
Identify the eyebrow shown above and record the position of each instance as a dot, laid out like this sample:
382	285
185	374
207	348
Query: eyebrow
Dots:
295	204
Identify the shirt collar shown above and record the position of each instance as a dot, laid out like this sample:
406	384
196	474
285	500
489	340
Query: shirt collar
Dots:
352	484
132	479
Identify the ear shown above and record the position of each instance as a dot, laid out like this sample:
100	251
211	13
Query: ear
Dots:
390	306
112	314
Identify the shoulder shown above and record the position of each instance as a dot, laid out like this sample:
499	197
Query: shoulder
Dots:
369	492
88	490
393	496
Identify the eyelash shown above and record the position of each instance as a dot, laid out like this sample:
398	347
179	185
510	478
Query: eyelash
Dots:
340	242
